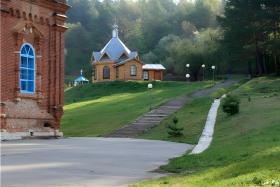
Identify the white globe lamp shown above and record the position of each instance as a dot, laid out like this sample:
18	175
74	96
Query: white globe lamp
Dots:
150	86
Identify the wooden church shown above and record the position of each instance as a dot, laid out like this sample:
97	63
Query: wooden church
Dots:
32	67
116	62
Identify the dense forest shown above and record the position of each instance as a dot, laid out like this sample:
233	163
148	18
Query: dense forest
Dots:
237	36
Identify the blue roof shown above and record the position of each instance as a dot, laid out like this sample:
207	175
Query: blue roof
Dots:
114	49
81	79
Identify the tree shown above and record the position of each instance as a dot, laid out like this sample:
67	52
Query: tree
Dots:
248	26
174	130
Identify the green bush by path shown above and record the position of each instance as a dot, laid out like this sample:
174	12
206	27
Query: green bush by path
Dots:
230	105
99	109
246	147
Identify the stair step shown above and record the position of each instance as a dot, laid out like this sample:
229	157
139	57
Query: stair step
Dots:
161	110
147	121
150	118
143	126
137	127
170	107
156	115
161	113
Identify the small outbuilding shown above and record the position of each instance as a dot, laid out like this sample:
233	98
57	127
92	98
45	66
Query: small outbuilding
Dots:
153	72
81	80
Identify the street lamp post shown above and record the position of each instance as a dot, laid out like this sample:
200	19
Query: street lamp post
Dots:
188	76
213	69
187	66
203	71
150	87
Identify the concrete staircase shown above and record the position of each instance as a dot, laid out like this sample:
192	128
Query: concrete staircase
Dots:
150	119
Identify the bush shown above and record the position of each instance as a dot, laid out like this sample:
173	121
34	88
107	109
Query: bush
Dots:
231	105
174	130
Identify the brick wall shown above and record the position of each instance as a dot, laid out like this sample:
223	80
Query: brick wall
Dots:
124	71
155	75
99	71
20	112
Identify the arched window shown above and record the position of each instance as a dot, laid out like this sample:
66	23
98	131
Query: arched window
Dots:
27	69
133	70
106	72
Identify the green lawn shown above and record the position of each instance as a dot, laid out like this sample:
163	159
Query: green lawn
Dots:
246	147
98	109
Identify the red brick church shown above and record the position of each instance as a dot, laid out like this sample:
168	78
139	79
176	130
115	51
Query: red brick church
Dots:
32	67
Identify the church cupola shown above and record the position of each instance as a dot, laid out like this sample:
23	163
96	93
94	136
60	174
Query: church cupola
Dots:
115	33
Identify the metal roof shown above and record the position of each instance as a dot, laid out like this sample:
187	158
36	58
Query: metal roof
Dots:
81	78
114	49
153	67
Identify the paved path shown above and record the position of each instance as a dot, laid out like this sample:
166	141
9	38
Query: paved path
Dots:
205	92
84	162
207	134
154	117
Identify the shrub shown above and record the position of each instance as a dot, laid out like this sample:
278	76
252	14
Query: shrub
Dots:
231	105
174	130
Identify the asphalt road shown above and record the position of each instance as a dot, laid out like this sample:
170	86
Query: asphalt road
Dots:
84	162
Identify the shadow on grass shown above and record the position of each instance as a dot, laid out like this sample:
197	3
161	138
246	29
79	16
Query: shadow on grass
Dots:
97	90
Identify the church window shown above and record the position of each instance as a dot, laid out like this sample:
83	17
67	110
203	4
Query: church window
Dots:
27	69
133	70
106	72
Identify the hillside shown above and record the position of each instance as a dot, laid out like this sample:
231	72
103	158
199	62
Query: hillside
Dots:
246	147
98	109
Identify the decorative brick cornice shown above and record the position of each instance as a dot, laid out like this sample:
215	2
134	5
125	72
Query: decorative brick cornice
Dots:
57	5
4	9
60	28
60	19
3	6
19	28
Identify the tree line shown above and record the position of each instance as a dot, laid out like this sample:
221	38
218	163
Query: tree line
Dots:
251	35
237	36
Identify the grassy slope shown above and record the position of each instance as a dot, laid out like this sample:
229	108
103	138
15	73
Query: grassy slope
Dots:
98	109
246	147
191	117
